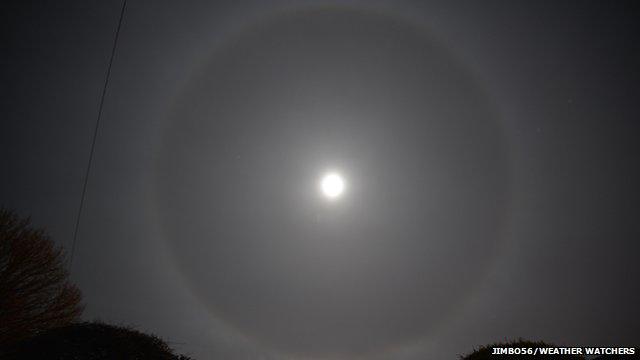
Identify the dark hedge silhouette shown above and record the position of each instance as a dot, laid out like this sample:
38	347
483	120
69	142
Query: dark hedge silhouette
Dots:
35	292
91	341
484	352
618	357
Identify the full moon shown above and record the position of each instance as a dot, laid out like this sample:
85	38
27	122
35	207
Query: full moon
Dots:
332	185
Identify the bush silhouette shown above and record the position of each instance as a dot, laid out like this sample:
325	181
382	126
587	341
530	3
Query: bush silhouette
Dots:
484	352
91	341
35	292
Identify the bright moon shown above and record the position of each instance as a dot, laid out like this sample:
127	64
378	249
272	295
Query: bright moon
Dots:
332	185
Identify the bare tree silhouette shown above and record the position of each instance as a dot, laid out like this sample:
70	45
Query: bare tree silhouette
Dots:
35	292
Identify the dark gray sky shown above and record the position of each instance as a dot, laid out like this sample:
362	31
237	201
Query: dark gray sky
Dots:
489	151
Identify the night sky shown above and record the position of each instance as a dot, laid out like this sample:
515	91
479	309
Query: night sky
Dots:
489	153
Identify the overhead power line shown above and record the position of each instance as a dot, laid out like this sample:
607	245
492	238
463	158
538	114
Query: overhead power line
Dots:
95	134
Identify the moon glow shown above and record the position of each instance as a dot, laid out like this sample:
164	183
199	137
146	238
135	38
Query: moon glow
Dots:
332	186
